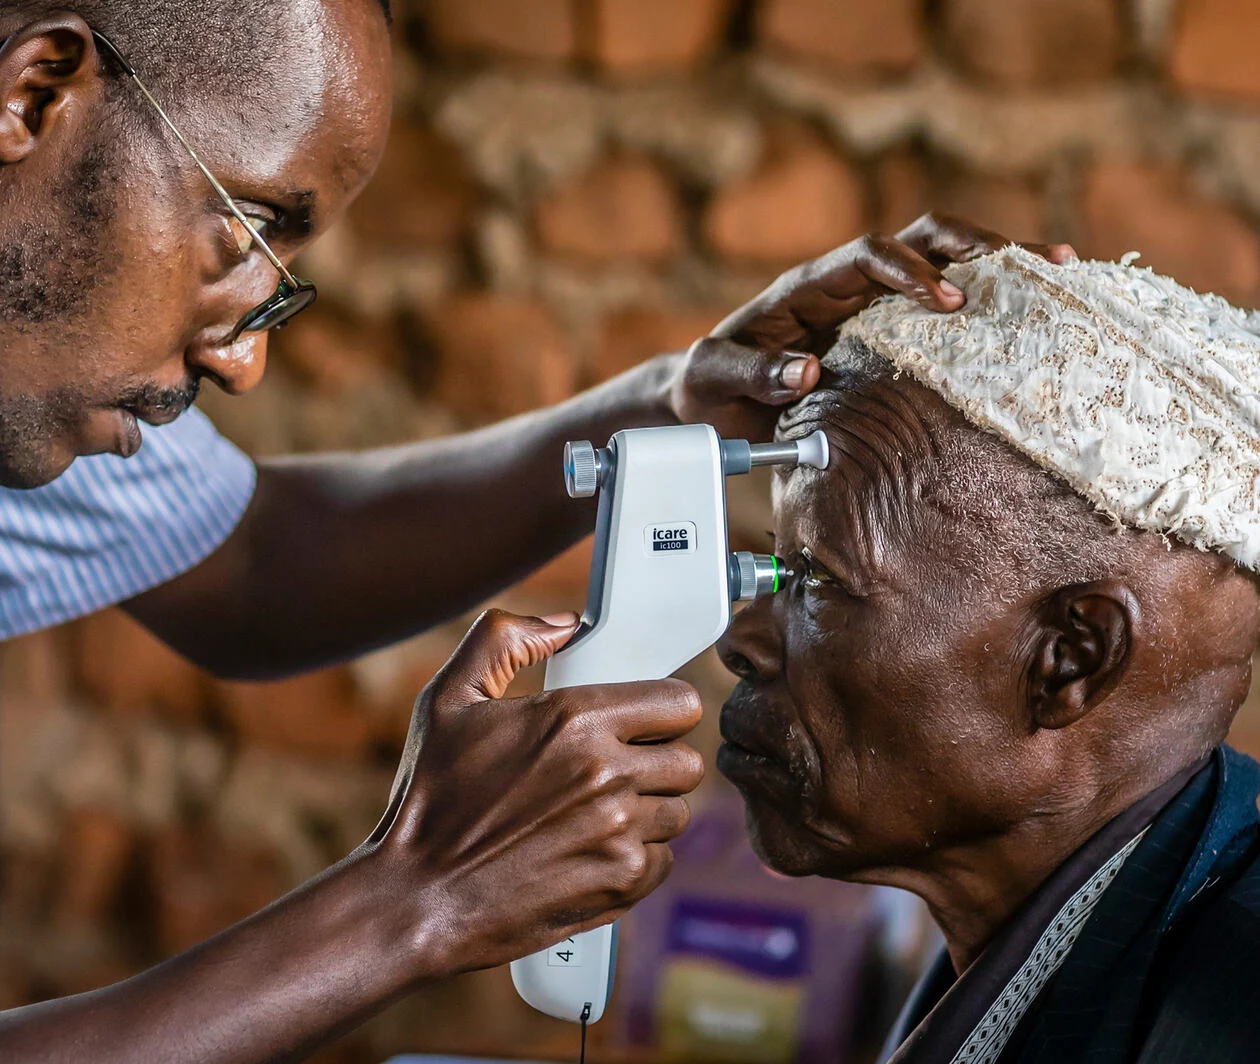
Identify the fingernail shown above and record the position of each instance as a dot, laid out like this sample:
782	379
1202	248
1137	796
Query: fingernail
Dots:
561	620
792	374
1068	253
950	289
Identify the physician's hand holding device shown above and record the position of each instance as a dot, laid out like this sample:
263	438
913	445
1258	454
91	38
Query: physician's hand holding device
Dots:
662	583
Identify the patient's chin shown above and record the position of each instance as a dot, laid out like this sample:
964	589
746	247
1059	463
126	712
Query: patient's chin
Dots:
779	843
785	842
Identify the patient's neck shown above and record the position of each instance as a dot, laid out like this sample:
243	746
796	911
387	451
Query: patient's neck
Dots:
974	890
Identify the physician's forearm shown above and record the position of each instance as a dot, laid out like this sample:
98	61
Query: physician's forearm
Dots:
342	553
272	988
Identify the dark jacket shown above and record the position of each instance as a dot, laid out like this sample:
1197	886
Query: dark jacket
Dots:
1167	966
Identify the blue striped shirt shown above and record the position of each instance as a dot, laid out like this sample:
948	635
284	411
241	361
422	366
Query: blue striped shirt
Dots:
110	528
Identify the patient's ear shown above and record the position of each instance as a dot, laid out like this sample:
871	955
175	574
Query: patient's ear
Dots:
46	69
1079	651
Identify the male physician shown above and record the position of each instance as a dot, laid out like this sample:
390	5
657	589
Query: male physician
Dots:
128	276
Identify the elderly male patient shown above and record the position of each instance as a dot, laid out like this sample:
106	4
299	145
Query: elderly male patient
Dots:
1022	618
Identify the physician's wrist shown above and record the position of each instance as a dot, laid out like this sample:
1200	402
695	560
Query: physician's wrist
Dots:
644	393
402	921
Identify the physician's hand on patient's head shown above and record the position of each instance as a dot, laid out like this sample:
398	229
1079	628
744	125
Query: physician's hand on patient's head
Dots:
518	821
765	355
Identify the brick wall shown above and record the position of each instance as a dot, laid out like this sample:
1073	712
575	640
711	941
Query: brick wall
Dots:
572	186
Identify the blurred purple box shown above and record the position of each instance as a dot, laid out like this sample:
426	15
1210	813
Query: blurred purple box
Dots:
730	961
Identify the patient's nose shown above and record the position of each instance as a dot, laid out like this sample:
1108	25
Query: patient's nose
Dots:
751	647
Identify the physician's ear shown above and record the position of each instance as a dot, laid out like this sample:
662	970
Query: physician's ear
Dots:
1079	651
46	68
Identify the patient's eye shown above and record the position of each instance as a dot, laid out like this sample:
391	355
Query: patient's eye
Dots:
813	574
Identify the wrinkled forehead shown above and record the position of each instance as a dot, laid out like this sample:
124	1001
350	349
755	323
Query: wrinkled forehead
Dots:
882	430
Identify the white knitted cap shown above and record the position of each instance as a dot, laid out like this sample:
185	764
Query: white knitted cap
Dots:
1142	394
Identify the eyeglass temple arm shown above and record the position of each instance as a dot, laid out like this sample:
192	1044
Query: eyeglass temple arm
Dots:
214	182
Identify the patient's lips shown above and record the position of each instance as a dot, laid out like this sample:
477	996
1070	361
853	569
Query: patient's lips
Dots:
735	733
749	751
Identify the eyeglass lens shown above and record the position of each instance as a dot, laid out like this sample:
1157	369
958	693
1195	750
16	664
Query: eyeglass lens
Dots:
286	304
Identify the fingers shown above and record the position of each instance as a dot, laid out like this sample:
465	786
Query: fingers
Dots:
631	835
648	873
644	712
821	294
640	869
625	855
648	819
721	371
943	238
495	649
805	305
665	819
1059	254
897	266
666	770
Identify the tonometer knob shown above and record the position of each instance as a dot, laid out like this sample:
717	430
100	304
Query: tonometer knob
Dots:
739	456
814	450
581	469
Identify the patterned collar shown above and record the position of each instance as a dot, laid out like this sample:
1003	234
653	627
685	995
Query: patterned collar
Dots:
989	1037
969	1019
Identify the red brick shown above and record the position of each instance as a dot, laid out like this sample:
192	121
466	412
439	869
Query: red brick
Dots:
33	668
565	577
97	851
500	355
1244	733
1214	48
394	694
421	196
902	191
202	883
83	959
15	988
29	883
1203	243
854	36
1245	738
907	186
802	201
332	354
1035	42
1013	207
652	36
524	29
620	209
127	670
316	714
629	337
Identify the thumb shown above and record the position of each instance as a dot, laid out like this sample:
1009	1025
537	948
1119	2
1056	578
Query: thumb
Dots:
721	371
496	648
